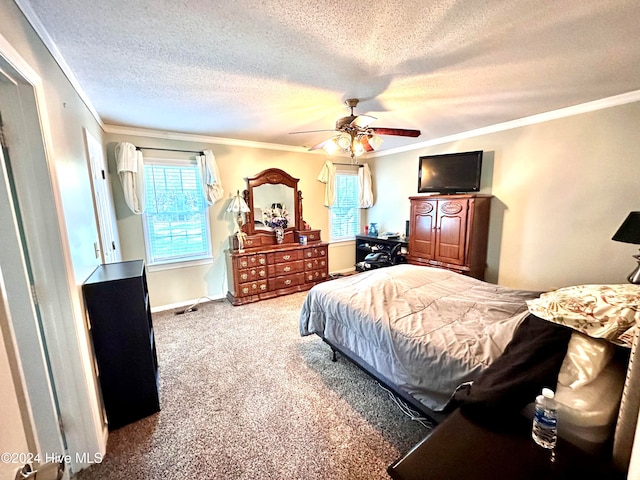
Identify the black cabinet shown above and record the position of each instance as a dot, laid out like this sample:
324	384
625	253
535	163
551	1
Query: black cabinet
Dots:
395	248
117	303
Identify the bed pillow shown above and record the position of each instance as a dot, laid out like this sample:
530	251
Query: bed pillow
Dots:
610	312
586	357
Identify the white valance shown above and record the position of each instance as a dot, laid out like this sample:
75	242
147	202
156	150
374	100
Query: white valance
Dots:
328	176
130	167
365	194
211	181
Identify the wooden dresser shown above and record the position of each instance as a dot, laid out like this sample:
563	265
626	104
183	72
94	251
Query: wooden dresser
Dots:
268	272
259	267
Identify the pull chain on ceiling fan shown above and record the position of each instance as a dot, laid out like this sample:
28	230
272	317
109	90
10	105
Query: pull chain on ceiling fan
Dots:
355	136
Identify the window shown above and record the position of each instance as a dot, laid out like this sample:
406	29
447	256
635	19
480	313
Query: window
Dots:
344	221
176	221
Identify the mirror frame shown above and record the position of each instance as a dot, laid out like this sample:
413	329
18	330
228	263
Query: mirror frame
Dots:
273	176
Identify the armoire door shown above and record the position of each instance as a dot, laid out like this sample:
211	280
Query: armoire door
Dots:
422	235
451	231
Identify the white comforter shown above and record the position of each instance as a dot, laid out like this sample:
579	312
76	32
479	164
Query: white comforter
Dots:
424	330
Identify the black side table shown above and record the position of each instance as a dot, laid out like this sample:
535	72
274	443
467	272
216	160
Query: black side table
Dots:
461	449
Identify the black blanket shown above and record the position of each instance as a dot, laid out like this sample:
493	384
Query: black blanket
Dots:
530	362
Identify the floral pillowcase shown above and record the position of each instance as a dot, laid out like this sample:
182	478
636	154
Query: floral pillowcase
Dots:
611	312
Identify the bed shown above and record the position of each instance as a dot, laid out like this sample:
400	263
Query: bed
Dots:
426	333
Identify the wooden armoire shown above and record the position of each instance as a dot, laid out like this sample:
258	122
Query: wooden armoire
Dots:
451	232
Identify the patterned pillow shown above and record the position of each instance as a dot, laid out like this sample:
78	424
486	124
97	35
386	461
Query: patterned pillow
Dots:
611	312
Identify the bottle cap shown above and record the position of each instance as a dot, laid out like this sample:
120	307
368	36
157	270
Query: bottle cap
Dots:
548	393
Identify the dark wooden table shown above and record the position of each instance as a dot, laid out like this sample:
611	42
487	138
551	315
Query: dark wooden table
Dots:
460	448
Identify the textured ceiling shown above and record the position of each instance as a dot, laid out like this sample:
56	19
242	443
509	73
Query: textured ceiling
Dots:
256	70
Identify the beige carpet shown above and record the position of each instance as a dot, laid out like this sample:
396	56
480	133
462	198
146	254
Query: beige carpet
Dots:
243	396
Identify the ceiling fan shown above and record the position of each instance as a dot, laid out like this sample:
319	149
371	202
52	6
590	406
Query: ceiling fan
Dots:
355	136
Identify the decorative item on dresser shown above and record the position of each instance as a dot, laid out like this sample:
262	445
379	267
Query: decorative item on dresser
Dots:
279	257
451	232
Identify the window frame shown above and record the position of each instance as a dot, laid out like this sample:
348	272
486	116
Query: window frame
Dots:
345	170
176	261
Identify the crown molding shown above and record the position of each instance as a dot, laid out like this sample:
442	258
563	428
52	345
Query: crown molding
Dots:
190	137
33	18
614	101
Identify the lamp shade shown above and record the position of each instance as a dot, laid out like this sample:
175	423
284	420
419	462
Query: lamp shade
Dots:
238	205
629	231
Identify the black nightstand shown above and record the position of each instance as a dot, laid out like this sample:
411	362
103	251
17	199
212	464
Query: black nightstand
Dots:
460	448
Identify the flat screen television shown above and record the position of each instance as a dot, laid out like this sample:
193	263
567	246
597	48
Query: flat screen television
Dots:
450	172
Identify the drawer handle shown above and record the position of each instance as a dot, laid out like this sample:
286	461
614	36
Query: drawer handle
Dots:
244	276
309	265
263	287
262	273
287	257
287	282
245	290
254	286
287	269
243	264
262	260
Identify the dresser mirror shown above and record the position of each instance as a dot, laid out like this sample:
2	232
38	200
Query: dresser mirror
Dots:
272	197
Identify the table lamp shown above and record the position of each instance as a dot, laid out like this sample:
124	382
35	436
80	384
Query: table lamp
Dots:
238	206
629	232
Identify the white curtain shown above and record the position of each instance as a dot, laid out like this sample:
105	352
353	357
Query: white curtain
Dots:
211	181
328	175
130	166
364	183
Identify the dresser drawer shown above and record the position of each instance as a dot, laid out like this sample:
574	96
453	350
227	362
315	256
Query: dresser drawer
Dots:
251	288
286	281
286	268
315	275
313	252
315	264
284	256
249	261
253	273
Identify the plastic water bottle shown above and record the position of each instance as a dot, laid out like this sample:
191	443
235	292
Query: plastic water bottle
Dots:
545	426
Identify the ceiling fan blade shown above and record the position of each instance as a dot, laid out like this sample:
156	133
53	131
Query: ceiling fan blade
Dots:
400	132
366	145
313	131
362	121
321	144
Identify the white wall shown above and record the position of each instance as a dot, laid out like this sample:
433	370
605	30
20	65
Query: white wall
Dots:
561	189
236	163
59	223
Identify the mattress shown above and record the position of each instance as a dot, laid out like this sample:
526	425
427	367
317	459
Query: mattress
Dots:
424	330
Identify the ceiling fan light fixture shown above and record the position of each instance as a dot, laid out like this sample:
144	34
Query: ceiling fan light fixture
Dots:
358	149
344	141
330	146
375	141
